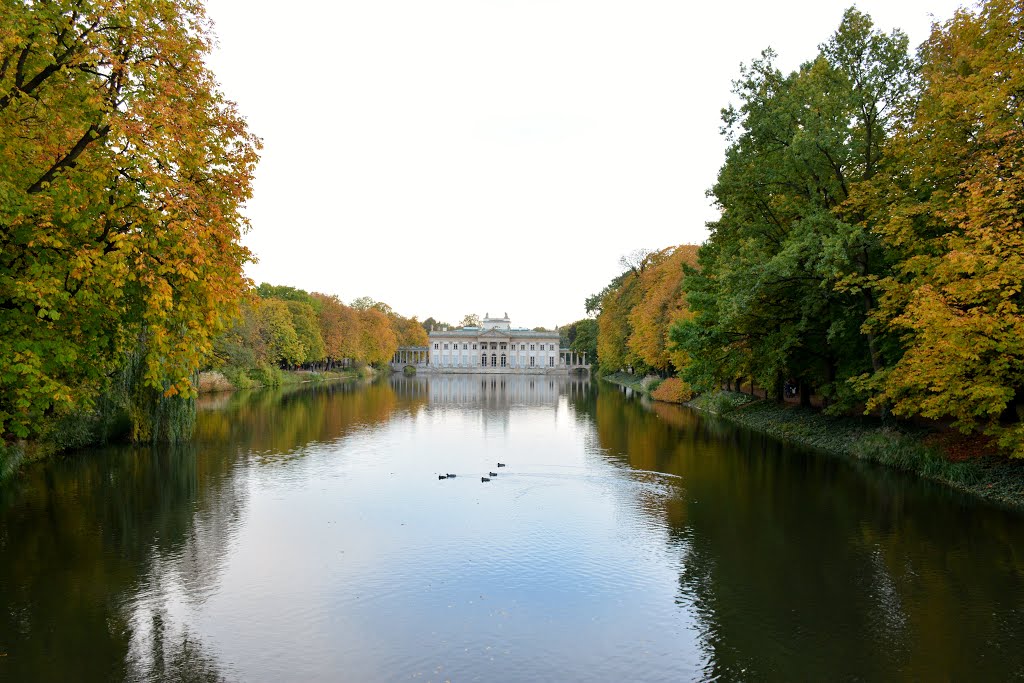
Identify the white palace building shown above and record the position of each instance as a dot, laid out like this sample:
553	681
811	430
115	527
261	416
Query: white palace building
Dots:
493	347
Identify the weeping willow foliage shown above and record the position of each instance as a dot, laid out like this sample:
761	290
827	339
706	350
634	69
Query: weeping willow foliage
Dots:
153	416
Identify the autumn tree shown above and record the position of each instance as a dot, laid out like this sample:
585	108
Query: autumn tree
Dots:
339	327
307	329
277	333
955	219
378	342
470	320
408	331
661	305
122	174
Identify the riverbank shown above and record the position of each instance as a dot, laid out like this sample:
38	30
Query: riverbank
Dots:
87	429
963	463
233	379
669	390
946	457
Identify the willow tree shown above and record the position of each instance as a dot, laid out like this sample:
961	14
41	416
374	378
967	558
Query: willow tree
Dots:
122	173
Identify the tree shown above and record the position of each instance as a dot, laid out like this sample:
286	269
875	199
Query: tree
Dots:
957	222
377	340
283	292
122	172
470	320
613	325
277	333
636	260
581	337
785	281
661	305
408	331
363	303
307	329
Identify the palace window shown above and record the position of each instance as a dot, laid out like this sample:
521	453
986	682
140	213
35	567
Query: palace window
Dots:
503	346
513	347
446	346
502	360
483	359
474	347
465	346
533	361
494	345
436	346
532	346
551	361
494	360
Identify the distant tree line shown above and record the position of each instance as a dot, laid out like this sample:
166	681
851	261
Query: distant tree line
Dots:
290	328
870	248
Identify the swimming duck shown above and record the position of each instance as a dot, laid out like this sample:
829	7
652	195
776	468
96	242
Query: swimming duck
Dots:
501	464
442	476
493	474
484	479
451	476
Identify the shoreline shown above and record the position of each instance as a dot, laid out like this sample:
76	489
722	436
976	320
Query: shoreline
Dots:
918	451
17	455
215	381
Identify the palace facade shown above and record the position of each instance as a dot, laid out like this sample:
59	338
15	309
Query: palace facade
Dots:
493	347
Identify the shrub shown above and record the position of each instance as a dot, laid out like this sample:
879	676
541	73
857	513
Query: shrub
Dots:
649	383
214	381
722	402
237	377
672	390
266	375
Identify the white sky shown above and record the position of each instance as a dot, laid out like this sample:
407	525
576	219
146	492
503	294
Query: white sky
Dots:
483	156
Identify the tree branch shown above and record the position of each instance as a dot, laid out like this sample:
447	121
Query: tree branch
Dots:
90	136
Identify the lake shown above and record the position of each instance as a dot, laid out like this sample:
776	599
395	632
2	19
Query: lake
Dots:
305	535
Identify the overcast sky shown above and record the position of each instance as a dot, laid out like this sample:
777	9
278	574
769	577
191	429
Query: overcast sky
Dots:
490	156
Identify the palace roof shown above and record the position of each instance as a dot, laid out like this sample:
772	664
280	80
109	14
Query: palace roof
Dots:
477	333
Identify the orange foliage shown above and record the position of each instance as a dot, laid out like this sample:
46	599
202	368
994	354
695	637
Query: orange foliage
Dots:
673	390
661	304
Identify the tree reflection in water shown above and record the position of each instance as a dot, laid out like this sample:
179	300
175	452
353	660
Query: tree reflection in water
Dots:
773	563
802	566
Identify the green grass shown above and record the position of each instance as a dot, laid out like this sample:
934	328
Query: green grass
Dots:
270	376
634	382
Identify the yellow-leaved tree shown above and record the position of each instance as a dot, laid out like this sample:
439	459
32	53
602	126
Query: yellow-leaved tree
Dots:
122	173
957	221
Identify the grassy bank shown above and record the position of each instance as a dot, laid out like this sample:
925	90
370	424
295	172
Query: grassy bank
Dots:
926	453
644	385
109	420
671	390
234	378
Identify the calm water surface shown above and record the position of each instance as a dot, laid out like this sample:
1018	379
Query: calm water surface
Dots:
305	536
